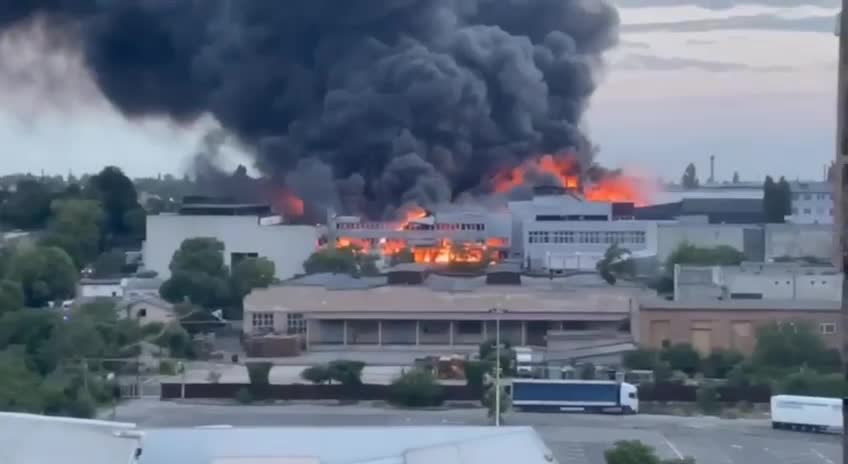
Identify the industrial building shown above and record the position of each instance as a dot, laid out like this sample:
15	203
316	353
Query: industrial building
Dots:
812	203
445	312
710	324
246	230
758	281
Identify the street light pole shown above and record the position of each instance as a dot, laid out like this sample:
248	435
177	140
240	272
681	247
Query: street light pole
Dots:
497	368
840	191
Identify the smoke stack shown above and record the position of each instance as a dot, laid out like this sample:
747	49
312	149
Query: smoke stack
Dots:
712	169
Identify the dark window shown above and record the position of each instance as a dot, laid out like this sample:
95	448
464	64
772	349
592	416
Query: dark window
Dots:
469	327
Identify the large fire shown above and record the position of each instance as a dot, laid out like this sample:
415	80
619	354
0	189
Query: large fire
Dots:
411	215
611	188
290	204
445	252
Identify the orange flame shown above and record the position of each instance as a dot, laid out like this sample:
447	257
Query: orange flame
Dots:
612	188
411	215
445	252
290	203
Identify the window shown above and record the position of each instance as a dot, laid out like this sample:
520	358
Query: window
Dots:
806	210
262	320
827	328
562	236
296	323
142	312
469	327
538	237
806	196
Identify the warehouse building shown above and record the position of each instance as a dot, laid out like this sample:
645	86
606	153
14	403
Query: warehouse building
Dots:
444	311
246	230
710	324
812	203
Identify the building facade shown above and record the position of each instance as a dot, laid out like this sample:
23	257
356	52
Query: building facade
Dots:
758	281
812	203
287	246
715	324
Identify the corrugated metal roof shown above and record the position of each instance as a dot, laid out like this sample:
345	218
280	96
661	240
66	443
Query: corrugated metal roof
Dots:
350	445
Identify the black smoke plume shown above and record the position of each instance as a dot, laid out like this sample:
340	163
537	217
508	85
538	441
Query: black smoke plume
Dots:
362	105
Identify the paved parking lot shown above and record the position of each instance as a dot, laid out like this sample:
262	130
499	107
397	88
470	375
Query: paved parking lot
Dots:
574	438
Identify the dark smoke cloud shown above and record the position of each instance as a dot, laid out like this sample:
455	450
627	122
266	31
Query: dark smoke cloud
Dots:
360	105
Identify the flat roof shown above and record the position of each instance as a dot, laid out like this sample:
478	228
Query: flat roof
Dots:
704	304
350	445
423	299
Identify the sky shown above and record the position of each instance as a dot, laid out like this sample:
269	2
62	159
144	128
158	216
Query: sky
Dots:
752	84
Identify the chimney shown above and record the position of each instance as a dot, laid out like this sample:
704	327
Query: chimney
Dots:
712	169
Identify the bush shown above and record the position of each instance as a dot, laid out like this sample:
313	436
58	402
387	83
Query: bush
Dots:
682	357
708	399
720	363
488	351
317	374
631	452
416	388
244	396
641	359
259	373
167	367
811	383
346	372
587	371
83	406
475	373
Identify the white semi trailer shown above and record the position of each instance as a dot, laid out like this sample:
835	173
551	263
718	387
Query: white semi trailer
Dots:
806	413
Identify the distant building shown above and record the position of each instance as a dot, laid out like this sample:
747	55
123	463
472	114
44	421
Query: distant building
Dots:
146	309
758	281
710	210
811	242
746	238
444	311
350	445
100	288
710	324
812	203
246	230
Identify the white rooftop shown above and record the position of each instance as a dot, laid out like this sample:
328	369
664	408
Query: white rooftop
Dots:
347	445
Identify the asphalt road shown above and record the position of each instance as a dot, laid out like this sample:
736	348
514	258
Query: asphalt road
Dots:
574	438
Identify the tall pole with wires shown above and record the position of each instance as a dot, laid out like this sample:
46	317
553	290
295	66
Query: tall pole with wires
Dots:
840	190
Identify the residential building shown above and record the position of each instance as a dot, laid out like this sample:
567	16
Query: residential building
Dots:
31	438
443	311
812	203
146	309
760	281
710	324
350	445
245	230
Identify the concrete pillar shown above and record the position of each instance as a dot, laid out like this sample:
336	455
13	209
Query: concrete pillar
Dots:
450	333
306	335
379	333
485	331
417	332
344	332
523	333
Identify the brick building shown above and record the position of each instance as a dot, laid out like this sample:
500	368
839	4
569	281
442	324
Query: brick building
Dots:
730	324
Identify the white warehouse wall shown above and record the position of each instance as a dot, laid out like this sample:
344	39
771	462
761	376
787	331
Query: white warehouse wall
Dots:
799	240
287	246
672	235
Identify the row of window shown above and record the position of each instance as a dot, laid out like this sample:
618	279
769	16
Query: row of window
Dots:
294	321
819	211
386	226
567	236
810	196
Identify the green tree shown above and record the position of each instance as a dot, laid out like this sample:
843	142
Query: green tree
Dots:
616	262
416	388
135	220
75	228
11	296
202	254
640	359
259	373
689	180
682	357
735	177
719	363
117	194
811	383
777	200
487	352
252	273
198	274
343	260
489	401
110	264
708	399
688	253
475	374
793	345
316	374
28	207
45	274
19	386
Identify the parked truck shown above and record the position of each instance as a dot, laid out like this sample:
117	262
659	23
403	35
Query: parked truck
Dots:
806	413
574	395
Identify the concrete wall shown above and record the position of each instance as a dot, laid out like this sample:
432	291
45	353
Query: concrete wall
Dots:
726	329
672	235
101	291
799	240
287	246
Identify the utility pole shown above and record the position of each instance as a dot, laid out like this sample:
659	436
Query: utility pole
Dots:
840	219
497	369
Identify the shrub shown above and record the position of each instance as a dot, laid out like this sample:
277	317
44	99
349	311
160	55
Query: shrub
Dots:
83	406
244	396
812	383
259	372
416	388
642	359
708	400
631	452
489	400
587	371
720	363
317	374
682	357
475	373
167	367
346	372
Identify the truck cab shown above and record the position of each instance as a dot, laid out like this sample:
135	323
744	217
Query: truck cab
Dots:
629	398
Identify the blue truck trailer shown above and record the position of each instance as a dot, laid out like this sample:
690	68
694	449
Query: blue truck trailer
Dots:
574	395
